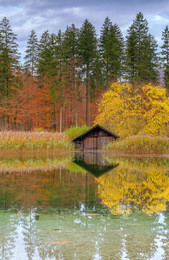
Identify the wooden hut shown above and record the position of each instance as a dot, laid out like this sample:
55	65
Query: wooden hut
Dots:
94	139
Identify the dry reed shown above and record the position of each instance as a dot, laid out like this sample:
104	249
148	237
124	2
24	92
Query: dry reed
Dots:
34	141
140	144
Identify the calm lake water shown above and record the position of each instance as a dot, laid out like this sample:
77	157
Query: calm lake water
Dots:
84	206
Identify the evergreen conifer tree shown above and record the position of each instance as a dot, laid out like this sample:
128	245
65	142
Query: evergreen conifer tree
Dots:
116	43
44	56
32	53
112	51
165	56
152	67
70	42
141	52
87	51
9	59
105	49
72	67
60	81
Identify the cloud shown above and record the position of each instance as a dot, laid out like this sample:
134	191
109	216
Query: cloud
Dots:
53	15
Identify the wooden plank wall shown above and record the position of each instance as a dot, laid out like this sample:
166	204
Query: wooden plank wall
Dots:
96	143
90	143
95	140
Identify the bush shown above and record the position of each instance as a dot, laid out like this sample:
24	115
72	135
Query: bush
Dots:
74	132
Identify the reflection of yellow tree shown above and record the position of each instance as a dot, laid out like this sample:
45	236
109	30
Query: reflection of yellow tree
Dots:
128	189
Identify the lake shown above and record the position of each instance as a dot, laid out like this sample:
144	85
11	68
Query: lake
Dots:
84	206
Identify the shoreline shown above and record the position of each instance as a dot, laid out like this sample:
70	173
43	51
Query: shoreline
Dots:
134	155
51	144
11	153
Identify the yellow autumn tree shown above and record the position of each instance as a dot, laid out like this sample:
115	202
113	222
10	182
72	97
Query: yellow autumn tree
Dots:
129	110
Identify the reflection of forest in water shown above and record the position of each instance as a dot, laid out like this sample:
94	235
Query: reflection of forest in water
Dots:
122	185
120	213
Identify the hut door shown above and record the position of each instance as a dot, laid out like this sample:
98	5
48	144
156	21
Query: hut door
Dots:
90	143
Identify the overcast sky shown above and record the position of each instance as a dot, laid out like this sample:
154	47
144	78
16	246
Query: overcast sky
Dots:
40	15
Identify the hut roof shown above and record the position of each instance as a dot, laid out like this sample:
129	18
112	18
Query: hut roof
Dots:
82	136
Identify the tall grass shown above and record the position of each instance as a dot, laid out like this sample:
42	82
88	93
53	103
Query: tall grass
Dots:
74	131
140	145
34	141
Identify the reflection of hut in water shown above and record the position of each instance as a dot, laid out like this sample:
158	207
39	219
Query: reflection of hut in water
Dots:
93	163
94	139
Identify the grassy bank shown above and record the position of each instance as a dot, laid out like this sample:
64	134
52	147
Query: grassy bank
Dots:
139	145
34	142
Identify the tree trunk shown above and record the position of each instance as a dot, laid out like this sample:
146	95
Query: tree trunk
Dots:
60	128
87	97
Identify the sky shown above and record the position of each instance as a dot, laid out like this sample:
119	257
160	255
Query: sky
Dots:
52	15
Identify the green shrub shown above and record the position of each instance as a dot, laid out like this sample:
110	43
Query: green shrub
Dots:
74	131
